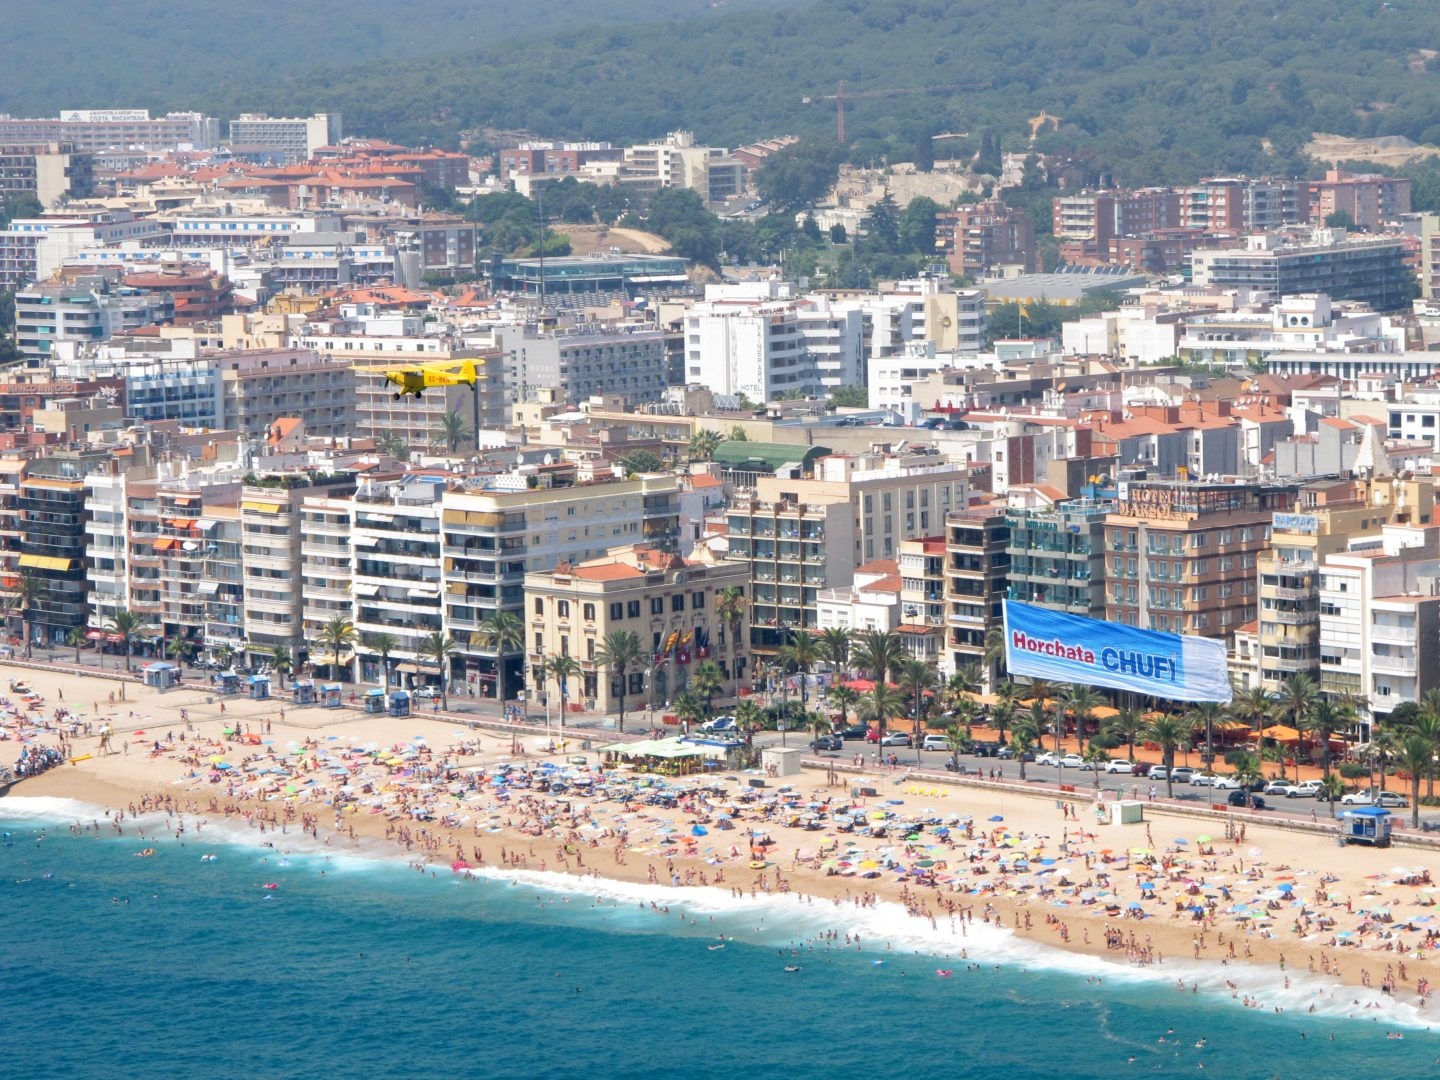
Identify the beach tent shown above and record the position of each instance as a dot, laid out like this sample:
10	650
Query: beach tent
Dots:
1281	733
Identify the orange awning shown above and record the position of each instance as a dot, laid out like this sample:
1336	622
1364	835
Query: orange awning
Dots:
165	543
181	523
1281	733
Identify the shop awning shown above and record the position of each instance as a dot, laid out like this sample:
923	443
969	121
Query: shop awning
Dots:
261	507
209	588
46	562
423	594
94	635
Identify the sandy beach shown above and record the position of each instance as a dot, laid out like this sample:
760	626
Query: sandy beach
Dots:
1230	890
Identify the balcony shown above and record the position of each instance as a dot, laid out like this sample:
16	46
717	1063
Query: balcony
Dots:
1398	635
1288	663
1292	618
1395	665
1280	593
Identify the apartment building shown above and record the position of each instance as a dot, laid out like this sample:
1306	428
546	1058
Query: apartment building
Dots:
51	514
51	171
260	386
92	309
1378	628
597	358
493	535
922	599
870	602
665	600
804	534
287	139
977	576
1369	200
1056	552
1330	517
94	130
271	528
1182	556
327	569
985	237
1371	270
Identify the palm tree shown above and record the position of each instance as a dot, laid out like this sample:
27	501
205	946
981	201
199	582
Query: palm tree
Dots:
127	626
958	739
703	445
748	715
1040	692
383	644
562	669
834	647
880	704
690	707
437	647
1253	707
1002	716
1247	768
1169	733
620	650
27	591
337	635
281	662
180	648
801	654
968	678
994	658
225	656
501	631
1414	754
393	444
918	678
76	638
1331	788
1095	757
730	608
878	653
1207	713
1128	724
1324	720
1426	722
844	699
451	431
707	681
1080	701
1295	702
1022	738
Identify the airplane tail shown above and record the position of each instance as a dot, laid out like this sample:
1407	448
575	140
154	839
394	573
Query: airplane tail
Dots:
467	372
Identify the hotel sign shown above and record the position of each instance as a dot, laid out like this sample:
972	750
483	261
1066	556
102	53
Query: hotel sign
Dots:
1302	523
104	116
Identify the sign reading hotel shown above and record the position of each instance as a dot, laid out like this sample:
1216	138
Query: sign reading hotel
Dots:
1065	648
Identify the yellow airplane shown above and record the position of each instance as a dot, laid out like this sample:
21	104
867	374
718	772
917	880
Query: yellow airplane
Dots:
414	380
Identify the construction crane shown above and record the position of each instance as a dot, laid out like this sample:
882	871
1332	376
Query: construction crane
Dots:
840	97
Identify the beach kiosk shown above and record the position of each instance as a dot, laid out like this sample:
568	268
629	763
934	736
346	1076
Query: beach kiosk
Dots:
302	692
781	760
330	696
227	682
399	703
161	675
375	700
259	688
1366	825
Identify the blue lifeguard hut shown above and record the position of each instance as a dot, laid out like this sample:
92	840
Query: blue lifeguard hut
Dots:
1366	825
260	687
375	700
302	692
331	696
399	703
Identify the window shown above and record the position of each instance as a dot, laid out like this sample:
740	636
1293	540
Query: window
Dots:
657	605
1199	540
632	609
1227	562
1227	590
697	601
617	611
1200	594
1202	566
590	648
539	641
887	501
869	503
677	602
589	611
564	645
1201	621
562	608
539	606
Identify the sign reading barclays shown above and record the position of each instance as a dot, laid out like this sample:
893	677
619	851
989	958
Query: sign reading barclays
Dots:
1068	648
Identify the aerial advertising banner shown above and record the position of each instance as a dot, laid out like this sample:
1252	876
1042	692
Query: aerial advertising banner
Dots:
1072	649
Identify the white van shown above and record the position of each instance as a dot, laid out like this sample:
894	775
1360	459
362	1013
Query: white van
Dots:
935	742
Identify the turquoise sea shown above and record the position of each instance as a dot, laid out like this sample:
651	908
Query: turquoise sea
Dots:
170	966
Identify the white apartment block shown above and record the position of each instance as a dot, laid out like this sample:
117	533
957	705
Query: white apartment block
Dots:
291	138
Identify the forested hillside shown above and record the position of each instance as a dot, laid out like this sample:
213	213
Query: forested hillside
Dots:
1143	91
172	53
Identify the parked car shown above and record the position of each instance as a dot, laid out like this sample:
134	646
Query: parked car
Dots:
856	731
1072	761
1276	787
989	749
1203	779
1047	758
1388	799
935	742
1007	753
1225	782
895	738
1182	774
828	742
720	723
1156	772
1245	798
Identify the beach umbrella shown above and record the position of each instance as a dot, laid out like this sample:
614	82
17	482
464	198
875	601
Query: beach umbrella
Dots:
1133	905
1286	887
1203	838
998	817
